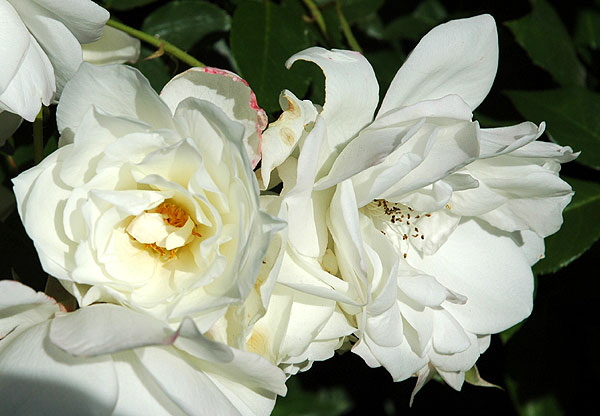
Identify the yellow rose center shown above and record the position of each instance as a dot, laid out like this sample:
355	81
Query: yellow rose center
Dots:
164	229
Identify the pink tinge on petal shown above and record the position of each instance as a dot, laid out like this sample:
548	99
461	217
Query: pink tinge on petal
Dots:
261	116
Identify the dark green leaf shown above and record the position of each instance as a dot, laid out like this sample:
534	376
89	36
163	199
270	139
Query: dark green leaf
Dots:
427	15
358	9
185	22
126	4
571	115
372	25
263	37
7	202
545	38
385	63
581	228
300	402
587	30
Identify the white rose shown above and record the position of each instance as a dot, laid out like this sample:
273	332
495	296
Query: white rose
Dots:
109	360
150	202
432	220
40	49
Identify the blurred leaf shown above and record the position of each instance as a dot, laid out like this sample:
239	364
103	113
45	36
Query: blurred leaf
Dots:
587	38
508	333
428	14
126	4
185	22
358	9
541	406
155	69
587	29
51	145
372	25
7	202
571	114
580	229
545	38
334	28
385	63
263	36
299	402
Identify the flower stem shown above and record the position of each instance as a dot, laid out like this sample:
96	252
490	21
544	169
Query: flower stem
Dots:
346	28
316	14
38	137
159	43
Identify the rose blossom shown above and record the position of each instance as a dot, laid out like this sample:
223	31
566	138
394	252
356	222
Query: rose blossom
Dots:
150	202
431	222
107	359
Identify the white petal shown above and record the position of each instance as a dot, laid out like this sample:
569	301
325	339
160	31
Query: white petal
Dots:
114	47
280	139
448	335
106	328
502	140
39	378
32	85
351	91
85	19
423	289
490	270
459	57
138	393
306	210
14	43
193	342
116	90
401	361
431	153
32	191
183	383
21	306
62	48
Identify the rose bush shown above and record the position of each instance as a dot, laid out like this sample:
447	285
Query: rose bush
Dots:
109	360
150	202
426	223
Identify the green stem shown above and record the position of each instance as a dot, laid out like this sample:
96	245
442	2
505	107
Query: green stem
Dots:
346	28
159	43
38	137
316	14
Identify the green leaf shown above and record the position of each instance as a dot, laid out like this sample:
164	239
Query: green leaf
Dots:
299	402
545	38
580	229
185	22
427	15
587	29
571	115
126	4
263	36
355	10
